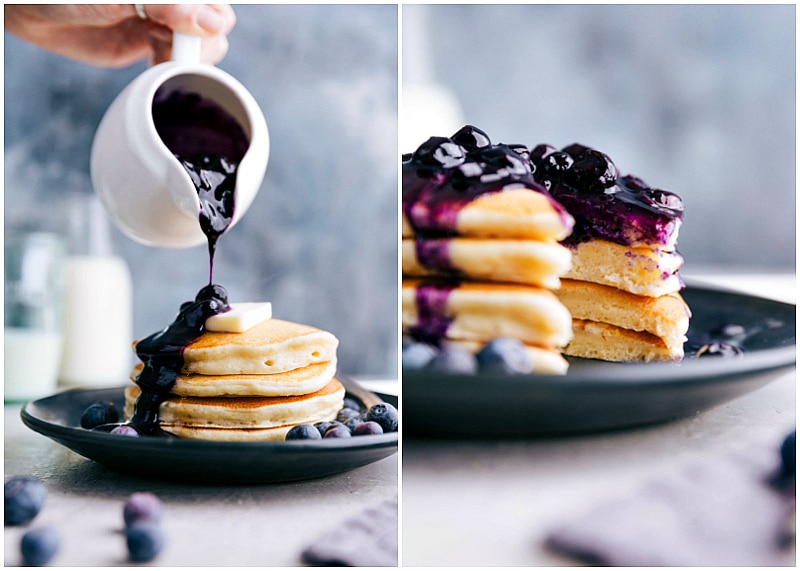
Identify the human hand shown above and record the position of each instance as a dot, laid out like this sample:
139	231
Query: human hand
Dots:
113	35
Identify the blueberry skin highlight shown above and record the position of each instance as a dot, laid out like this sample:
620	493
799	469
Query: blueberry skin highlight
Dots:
24	498
39	545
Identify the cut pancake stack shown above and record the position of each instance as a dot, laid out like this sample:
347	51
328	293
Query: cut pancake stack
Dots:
622	288
251	386
480	249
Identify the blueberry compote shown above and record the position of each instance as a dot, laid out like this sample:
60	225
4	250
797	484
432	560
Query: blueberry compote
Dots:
209	143
444	174
606	206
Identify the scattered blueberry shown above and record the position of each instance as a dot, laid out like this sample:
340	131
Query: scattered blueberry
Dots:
97	413
452	359
346	414
504	355
789	453
24	498
145	540
39	545
303	432
142	506
385	415
417	355
351	423
124	430
322	426
367	428
719	349
337	430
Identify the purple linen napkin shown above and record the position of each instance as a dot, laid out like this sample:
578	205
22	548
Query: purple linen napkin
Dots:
366	540
734	511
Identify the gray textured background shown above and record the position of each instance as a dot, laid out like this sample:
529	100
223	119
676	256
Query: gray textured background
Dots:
320	240
699	100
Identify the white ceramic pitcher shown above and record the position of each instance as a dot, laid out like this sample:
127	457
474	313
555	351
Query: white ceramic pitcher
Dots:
145	189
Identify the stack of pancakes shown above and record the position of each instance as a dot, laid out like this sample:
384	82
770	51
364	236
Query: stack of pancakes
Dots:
623	286
251	386
480	250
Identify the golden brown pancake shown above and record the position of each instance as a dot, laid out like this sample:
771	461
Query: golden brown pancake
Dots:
609	343
505	260
481	310
666	316
642	270
512	213
244	412
295	382
273	346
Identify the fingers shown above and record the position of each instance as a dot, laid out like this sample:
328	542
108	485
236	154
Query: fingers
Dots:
193	19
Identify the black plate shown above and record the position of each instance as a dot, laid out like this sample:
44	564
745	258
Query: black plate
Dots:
58	418
596	395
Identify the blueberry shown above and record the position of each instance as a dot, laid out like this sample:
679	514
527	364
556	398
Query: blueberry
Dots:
145	540
576	150
539	152
471	138
439	151
417	355
451	359
97	413
24	498
523	152
788	453
556	163
592	171
322	426
351	423
384	414
39	545
337	430
367	428
303	432
504	355
124	430
142	506
347	413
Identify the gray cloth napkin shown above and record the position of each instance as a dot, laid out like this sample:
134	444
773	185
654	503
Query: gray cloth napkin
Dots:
366	540
733	511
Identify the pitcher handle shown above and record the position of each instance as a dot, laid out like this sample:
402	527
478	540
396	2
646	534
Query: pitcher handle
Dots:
185	48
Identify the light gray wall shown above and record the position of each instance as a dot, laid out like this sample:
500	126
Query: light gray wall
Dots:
699	100
320	240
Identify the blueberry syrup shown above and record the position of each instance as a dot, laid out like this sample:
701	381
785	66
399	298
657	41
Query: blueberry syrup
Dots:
432	318
724	340
606	206
444	174
209	143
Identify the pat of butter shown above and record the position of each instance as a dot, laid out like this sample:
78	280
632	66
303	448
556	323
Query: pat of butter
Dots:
240	318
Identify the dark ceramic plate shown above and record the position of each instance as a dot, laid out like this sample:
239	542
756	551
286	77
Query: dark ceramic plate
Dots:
58	418
597	395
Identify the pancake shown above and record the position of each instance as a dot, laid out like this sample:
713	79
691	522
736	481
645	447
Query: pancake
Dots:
648	271
246	412
477	311
546	360
272	346
287	383
595	340
518	261
521	213
231	434
666	317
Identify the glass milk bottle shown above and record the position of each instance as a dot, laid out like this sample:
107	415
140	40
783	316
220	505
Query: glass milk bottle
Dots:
98	308
34	282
